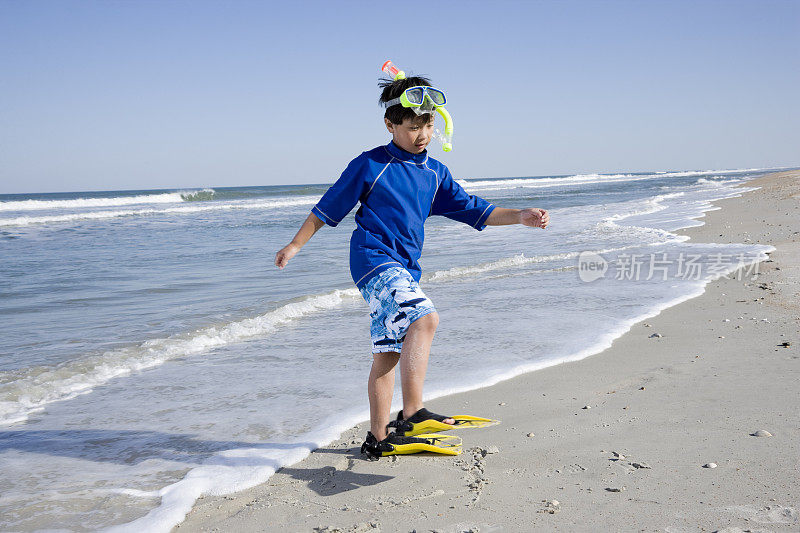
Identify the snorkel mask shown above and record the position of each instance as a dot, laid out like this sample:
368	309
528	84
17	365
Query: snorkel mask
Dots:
423	99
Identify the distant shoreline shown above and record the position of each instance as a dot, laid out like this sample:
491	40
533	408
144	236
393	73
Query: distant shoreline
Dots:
321	183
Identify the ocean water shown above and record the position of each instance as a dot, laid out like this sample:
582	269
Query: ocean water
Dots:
151	352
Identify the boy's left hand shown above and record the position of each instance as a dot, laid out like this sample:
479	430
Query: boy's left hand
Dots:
534	217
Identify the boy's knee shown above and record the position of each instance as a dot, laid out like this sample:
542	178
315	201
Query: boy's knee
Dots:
428	322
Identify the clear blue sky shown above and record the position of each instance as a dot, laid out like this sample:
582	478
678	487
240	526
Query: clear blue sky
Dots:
150	94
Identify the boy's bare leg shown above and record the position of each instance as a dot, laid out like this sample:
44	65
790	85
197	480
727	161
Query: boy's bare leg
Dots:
414	362
380	388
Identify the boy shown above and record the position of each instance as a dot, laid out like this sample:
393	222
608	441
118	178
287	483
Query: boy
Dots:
399	186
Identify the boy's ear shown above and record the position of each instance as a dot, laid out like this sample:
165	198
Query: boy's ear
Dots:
389	125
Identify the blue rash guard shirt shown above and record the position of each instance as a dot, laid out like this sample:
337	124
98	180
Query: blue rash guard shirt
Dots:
398	191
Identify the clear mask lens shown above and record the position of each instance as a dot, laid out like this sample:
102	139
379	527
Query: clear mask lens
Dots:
415	96
436	96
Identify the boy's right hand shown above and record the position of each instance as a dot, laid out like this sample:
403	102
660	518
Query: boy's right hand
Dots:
284	254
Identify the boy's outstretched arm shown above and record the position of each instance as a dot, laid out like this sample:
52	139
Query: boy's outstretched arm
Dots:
533	216
306	231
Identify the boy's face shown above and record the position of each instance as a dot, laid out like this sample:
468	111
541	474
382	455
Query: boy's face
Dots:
413	135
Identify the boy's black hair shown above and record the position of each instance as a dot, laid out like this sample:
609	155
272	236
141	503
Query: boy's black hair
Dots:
393	89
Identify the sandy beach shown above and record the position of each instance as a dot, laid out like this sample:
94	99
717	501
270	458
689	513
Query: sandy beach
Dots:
657	433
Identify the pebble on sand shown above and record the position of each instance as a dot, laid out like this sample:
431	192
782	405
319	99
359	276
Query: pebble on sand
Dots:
761	433
656	336
531	434
551	506
710	465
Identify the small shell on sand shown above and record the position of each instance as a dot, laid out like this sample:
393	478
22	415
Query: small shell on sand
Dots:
551	506
615	489
640	465
761	433
531	434
710	465
586	407
656	336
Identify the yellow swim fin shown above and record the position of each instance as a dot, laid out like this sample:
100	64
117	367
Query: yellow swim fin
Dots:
423	421
396	444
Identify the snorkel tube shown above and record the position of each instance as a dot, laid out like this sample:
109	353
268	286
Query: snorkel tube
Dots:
392	71
447	138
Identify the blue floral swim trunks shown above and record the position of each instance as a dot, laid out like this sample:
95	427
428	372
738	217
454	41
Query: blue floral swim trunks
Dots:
395	302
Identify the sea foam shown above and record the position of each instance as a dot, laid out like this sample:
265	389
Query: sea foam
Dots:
582	179
26	391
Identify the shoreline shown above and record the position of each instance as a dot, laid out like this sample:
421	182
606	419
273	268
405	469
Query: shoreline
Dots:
669	405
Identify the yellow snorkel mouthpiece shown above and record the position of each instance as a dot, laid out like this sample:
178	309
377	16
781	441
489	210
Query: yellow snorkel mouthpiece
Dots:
423	105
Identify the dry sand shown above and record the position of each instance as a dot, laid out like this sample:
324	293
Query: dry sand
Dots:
660	409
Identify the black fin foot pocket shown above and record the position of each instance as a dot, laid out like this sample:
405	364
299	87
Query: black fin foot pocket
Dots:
395	444
423	421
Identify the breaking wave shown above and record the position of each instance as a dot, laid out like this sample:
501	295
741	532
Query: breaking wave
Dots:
77	203
25	391
95	215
